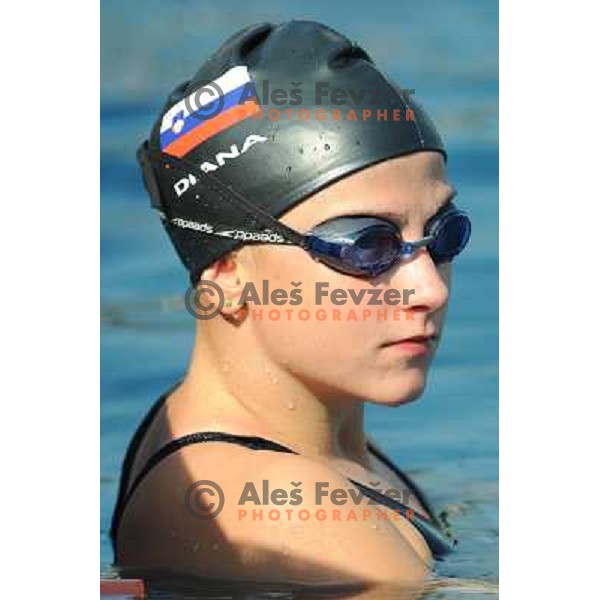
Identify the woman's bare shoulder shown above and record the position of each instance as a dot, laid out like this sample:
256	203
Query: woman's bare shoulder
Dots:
224	510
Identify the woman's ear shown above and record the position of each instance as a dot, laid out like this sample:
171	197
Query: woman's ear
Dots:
227	274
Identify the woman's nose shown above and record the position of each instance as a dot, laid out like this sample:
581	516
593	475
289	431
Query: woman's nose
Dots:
425	285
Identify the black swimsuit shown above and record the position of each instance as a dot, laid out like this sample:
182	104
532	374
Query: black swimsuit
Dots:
440	543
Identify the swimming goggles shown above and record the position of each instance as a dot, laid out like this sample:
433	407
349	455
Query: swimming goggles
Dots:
363	246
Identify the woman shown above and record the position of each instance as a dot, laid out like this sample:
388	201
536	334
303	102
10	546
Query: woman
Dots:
256	465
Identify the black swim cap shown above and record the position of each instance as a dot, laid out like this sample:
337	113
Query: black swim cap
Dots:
277	113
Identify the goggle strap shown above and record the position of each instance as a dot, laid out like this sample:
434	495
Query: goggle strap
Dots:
149	177
229	193
232	232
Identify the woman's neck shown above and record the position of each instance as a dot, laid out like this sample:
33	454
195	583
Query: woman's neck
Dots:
246	384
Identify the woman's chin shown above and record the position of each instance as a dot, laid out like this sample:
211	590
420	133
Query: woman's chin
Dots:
396	393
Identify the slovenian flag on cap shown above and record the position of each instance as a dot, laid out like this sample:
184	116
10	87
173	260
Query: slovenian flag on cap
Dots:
214	107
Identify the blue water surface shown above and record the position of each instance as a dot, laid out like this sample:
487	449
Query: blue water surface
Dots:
447	52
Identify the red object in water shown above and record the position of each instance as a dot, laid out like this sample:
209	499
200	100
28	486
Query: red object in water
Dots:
130	588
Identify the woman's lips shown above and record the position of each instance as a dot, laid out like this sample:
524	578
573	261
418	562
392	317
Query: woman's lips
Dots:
418	345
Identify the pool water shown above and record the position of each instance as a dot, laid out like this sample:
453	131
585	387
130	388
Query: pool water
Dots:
448	440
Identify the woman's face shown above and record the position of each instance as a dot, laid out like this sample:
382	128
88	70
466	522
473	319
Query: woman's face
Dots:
339	349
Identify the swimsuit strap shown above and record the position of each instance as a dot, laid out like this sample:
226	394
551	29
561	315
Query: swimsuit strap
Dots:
249	441
439	542
407	480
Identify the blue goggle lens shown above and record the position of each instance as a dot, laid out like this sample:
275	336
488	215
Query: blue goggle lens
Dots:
375	247
451	234
369	246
